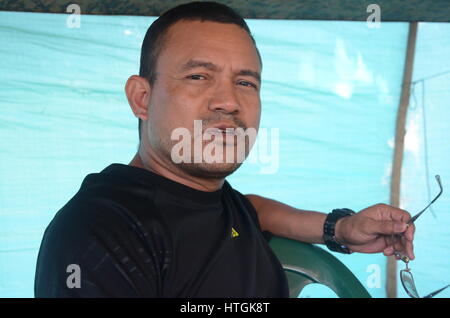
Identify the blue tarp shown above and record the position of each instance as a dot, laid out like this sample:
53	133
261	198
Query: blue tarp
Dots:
330	92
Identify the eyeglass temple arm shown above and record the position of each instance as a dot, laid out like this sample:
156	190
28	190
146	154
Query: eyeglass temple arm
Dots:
436	292
438	179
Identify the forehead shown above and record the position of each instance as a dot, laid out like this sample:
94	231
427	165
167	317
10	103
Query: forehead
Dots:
221	43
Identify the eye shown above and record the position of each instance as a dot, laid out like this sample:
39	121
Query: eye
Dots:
196	77
248	84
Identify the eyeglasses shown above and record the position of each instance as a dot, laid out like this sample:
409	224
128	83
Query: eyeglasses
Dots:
407	280
406	276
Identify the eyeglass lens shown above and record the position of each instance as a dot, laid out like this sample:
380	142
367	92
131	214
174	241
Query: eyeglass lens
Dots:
406	276
408	283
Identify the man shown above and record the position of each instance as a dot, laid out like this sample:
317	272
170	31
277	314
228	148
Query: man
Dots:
164	227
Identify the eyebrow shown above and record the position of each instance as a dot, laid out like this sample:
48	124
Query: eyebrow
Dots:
213	67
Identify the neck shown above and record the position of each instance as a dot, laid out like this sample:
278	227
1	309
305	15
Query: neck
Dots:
151	163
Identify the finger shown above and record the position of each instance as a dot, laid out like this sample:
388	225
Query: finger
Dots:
391	240
388	240
405	247
409	234
399	246
384	227
389	212
388	251
409	248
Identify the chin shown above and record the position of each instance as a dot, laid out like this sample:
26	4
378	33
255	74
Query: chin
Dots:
210	170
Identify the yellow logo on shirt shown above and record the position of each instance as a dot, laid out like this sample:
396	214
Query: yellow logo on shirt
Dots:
234	233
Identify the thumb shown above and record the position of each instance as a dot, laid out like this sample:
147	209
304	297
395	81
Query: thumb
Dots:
386	227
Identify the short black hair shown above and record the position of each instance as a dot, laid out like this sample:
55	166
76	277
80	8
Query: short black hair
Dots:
193	11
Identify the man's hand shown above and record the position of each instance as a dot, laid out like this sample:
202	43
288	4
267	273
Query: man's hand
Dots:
376	229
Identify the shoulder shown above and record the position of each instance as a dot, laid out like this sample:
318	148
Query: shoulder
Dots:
246	200
239	196
92	217
100	236
245	203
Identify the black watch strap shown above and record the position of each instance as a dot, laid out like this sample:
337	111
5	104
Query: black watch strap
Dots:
329	237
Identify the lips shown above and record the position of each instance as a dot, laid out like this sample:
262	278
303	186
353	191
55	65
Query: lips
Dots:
225	127
227	131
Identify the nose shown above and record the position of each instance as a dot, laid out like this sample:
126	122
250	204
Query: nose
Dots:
224	99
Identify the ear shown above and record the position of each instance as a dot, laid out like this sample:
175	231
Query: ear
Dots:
138	92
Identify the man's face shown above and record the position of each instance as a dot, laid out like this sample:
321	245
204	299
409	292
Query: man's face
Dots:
205	71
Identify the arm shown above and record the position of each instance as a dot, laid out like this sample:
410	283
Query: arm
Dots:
286	221
369	231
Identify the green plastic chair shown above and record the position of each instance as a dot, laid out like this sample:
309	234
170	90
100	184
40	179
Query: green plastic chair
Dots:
305	263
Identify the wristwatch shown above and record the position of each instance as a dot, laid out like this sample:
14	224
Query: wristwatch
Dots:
329	227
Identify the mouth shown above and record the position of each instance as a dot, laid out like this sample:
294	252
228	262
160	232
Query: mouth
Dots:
226	130
224	126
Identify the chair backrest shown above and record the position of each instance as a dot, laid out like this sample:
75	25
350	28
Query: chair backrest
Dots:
306	263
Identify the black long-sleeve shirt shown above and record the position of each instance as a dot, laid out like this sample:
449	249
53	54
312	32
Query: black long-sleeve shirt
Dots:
134	233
